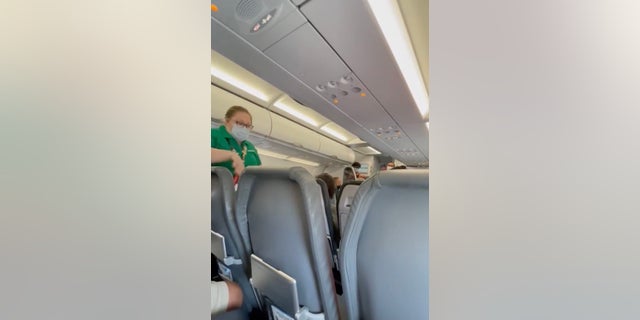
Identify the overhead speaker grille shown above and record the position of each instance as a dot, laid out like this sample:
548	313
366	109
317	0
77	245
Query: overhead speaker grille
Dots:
249	9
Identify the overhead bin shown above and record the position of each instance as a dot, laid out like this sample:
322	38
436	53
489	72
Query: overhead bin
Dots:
335	150
274	126
288	131
222	100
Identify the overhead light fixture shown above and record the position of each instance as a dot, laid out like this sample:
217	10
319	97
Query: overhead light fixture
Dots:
302	161
334	133
280	105
238	84
374	150
271	154
389	18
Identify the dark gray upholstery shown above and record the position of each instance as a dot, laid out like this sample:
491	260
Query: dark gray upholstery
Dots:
345	200
326	202
222	207
333	232
223	222
384	252
281	220
237	314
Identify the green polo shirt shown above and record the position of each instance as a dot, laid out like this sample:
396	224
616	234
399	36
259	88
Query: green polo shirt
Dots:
221	139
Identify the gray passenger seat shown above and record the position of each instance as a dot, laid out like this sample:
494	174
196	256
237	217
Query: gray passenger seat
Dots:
384	252
223	222
281	220
345	200
332	234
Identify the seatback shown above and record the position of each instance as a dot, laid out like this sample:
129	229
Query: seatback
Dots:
332	234
348	174
345	200
223	222
326	202
281	220
222	207
384	252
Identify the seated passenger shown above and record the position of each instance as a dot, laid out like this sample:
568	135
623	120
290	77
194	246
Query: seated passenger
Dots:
356	167
348	174
225	295
390	165
338	182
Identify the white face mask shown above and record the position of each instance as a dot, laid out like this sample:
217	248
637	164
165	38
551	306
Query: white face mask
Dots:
240	133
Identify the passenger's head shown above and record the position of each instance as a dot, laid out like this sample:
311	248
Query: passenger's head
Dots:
348	174
328	180
356	165
337	181
238	122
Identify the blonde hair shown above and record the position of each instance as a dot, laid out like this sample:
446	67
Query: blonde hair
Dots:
235	109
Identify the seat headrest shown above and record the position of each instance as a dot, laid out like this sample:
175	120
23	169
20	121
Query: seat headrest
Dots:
403	178
293	173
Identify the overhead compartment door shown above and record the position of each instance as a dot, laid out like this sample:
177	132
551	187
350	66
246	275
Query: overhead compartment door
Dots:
335	150
222	100
290	132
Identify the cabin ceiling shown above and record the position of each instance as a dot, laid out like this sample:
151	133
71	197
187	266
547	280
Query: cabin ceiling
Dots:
340	67
416	18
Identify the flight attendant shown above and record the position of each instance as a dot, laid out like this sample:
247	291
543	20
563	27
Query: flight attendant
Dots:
230	149
229	145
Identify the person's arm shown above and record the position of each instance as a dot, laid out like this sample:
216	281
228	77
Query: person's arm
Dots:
219	155
235	296
225	296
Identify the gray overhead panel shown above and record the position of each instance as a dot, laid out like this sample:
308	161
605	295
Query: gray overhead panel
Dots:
261	22
362	53
311	59
403	146
298	2
230	44
298	62
305	54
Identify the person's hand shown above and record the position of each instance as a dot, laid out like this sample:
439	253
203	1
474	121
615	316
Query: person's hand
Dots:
237	163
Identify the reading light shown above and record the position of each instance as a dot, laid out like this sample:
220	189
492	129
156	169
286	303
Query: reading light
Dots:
295	113
271	154
238	84
334	133
389	18
302	161
427	124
